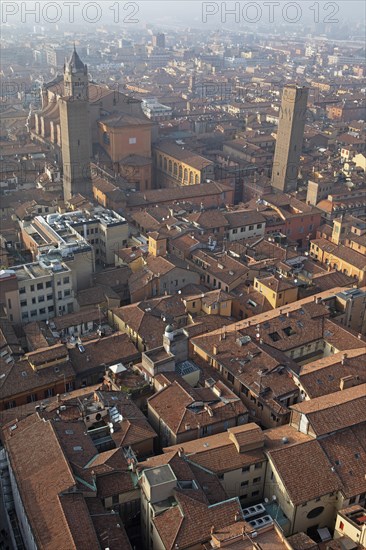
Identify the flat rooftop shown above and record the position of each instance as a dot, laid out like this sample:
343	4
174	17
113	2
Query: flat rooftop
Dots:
161	474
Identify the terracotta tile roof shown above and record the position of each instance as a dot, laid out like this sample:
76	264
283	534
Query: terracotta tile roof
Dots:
277	284
346	452
21	378
247	361
184	155
73	319
42	475
158	196
114	483
323	376
190	523
305	471
78	520
185	412
134	428
208	219
342	252
146	318
109	527
231	269
241	218
103	351
335	411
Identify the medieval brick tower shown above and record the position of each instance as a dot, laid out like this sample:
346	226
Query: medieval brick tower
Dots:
289	138
76	141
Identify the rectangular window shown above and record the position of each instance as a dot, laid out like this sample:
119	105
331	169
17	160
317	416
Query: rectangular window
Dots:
39	286
257	480
31	398
251	227
245	469
23	303
255	493
244	483
40	299
243	389
22	290
42	311
66	280
48	284
132	140
258	466
230	377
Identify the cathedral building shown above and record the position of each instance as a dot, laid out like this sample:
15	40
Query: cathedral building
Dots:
82	121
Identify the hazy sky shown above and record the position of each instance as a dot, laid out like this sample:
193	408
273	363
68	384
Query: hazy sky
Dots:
195	13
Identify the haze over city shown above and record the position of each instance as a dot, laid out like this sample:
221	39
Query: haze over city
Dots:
182	275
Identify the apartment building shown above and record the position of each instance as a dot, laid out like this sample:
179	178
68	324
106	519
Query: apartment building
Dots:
181	504
315	478
351	524
220	271
300	220
244	225
196	412
339	257
37	291
76	232
235	456
277	290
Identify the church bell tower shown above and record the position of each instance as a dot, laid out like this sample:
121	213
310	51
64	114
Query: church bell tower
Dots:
76	143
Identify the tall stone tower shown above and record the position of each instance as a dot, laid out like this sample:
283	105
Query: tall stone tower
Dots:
289	138
76	140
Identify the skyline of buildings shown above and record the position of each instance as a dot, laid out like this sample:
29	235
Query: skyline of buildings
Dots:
182	285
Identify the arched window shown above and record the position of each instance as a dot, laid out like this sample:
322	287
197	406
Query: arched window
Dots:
185	175
160	161
191	178
165	163
175	169
196	179
170	167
